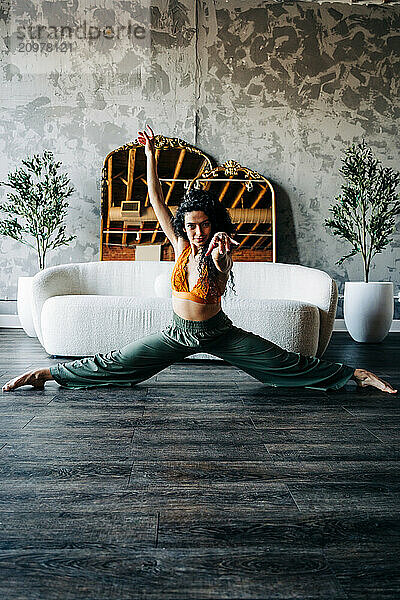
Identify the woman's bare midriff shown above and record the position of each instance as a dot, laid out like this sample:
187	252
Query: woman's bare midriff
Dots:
188	309
193	311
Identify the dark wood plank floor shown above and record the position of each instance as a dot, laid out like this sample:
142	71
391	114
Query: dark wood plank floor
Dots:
200	483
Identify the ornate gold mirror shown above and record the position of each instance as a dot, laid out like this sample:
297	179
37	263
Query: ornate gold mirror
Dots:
250	200
128	221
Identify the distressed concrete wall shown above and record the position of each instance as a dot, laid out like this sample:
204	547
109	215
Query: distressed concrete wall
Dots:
282	88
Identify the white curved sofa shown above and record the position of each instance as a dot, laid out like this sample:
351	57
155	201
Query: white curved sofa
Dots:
81	309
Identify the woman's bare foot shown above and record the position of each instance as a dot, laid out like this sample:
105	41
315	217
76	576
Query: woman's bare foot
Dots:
36	378
365	378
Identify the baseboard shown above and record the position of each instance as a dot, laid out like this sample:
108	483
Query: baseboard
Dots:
340	326
12	321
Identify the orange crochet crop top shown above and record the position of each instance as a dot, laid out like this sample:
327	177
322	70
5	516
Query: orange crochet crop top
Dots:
180	287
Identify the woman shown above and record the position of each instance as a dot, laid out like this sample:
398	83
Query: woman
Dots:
200	236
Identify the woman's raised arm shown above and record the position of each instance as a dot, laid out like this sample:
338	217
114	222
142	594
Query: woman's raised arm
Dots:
163	213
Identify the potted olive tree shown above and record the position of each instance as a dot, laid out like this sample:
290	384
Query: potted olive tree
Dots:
365	217
39	197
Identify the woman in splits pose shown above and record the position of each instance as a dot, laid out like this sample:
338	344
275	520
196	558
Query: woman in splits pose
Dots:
200	235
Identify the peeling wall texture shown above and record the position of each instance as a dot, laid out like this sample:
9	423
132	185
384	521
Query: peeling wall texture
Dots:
283	88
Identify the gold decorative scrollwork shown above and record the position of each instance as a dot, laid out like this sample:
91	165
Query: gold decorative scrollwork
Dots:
162	143
231	168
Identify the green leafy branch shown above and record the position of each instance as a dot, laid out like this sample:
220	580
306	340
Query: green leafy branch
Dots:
366	210
39	197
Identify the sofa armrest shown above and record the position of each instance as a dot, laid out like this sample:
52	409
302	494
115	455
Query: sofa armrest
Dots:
319	288
327	319
313	286
291	282
52	281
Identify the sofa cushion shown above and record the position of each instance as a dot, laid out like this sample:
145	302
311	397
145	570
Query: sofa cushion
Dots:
162	286
84	325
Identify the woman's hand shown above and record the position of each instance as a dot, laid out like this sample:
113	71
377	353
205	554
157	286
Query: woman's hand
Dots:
147	140
221	242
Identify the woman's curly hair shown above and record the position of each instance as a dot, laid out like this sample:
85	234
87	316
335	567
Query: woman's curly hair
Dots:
220	221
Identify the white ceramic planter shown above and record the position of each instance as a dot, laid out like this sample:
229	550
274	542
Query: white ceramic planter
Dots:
24	305
368	309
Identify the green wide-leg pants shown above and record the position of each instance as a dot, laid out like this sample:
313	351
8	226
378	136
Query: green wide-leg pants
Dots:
143	358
